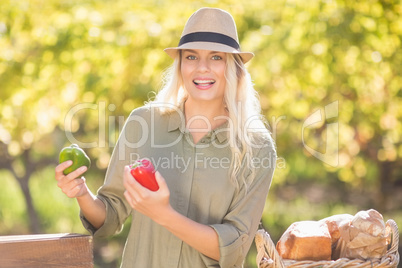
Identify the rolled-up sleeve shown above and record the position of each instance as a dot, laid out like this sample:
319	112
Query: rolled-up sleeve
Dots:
112	191
236	232
113	223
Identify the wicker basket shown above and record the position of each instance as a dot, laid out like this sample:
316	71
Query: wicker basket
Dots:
268	257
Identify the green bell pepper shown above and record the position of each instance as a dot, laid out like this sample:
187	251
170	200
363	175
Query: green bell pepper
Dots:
77	155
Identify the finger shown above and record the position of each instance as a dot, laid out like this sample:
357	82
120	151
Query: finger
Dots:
76	187
77	173
73	192
67	184
128	178
76	182
64	180
130	182
61	167
160	180
128	197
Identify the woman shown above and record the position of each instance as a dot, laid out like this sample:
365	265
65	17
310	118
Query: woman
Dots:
214	158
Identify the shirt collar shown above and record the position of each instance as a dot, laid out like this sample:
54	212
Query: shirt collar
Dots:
177	121
222	132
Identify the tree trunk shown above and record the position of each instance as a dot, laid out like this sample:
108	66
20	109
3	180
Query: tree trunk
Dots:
386	185
34	224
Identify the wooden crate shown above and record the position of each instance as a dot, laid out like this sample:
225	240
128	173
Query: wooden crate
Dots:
47	250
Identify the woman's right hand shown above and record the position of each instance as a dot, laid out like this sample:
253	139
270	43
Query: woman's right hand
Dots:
72	184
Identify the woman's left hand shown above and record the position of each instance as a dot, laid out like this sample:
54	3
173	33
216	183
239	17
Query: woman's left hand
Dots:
152	204
156	206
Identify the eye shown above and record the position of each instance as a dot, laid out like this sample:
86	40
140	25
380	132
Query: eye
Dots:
216	57
191	57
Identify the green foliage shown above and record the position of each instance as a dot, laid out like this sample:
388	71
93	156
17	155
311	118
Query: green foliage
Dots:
12	213
95	61
57	212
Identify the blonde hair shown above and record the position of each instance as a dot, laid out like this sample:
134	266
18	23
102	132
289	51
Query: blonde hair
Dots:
242	104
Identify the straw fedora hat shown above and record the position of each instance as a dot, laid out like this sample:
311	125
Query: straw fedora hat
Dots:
210	29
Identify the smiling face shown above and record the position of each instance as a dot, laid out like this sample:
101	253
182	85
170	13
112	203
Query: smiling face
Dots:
203	73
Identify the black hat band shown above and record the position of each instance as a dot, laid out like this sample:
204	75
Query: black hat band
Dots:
209	37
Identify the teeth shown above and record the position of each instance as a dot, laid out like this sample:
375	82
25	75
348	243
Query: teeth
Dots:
204	81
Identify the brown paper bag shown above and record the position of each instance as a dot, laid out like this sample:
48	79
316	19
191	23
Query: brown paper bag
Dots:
365	237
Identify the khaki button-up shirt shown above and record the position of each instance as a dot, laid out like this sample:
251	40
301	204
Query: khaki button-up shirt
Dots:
200	188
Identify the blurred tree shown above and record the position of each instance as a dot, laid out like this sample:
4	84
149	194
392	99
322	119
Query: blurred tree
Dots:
71	71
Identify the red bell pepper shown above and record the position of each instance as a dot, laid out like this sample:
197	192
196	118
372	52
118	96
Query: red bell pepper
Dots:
144	172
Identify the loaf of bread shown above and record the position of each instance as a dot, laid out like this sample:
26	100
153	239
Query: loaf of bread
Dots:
364	238
370	222
334	223
305	240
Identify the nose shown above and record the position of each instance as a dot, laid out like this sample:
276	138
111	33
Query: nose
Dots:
203	65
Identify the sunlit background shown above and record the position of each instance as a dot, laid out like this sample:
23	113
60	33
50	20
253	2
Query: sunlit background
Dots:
77	69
